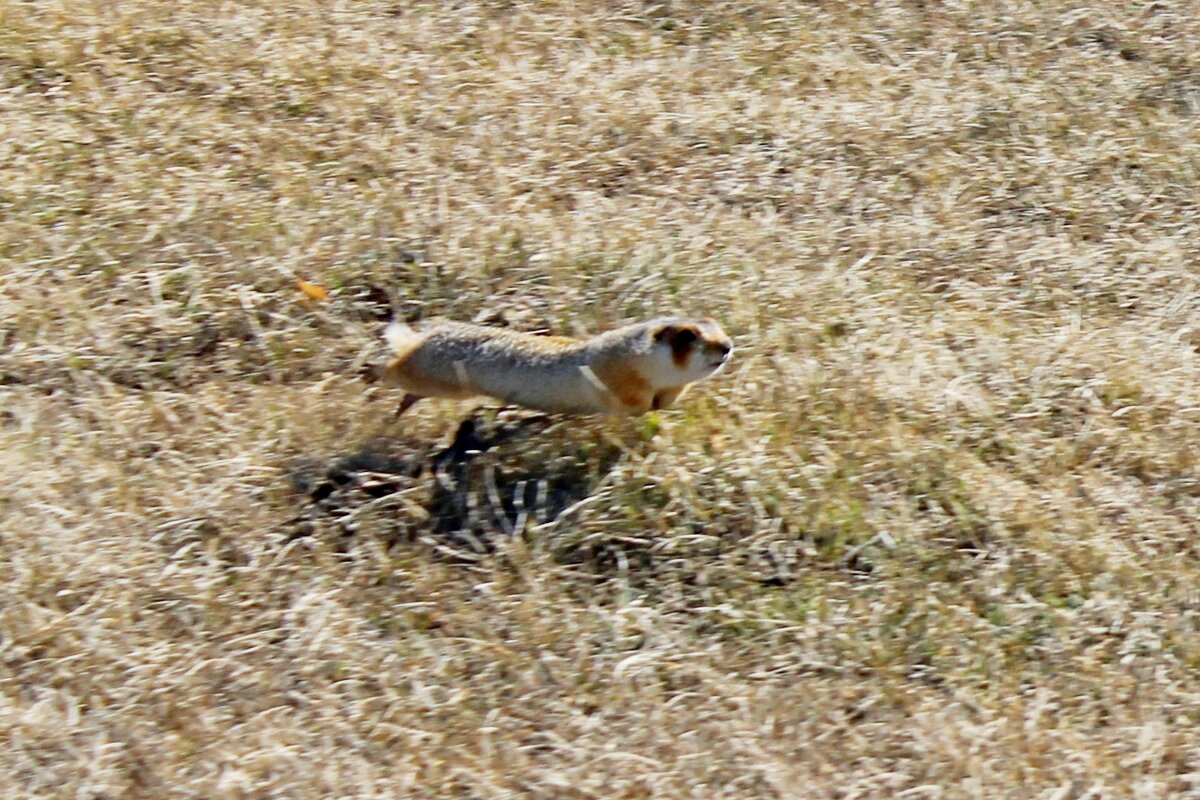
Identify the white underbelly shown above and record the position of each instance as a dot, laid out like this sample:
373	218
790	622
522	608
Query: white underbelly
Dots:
565	388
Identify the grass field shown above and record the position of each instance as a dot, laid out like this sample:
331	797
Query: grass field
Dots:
932	534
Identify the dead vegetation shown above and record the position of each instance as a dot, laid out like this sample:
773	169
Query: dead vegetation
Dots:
932	535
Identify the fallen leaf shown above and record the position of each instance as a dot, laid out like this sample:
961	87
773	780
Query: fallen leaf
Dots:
312	290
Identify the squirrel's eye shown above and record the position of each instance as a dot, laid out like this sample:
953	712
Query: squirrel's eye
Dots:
685	337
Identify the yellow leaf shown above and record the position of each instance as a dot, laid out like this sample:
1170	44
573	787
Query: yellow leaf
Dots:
312	290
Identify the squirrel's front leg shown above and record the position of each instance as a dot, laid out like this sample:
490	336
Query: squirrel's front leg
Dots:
665	397
636	403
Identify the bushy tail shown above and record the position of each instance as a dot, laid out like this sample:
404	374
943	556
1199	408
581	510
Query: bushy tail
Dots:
401	338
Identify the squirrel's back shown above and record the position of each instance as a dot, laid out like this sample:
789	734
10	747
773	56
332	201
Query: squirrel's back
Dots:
457	359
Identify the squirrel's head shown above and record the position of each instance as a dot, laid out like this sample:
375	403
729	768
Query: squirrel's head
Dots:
696	348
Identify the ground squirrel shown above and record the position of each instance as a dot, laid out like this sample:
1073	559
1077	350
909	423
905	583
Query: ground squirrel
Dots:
630	370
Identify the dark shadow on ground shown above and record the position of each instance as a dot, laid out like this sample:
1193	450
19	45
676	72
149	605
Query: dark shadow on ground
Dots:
503	474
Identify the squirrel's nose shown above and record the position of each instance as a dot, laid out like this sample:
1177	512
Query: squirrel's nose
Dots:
724	349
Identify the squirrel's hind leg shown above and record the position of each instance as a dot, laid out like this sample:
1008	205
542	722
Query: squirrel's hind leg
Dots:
408	402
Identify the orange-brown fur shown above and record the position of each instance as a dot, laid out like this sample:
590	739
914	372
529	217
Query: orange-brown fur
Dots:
626	384
428	386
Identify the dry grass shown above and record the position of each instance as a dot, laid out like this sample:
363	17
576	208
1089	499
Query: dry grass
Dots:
934	535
